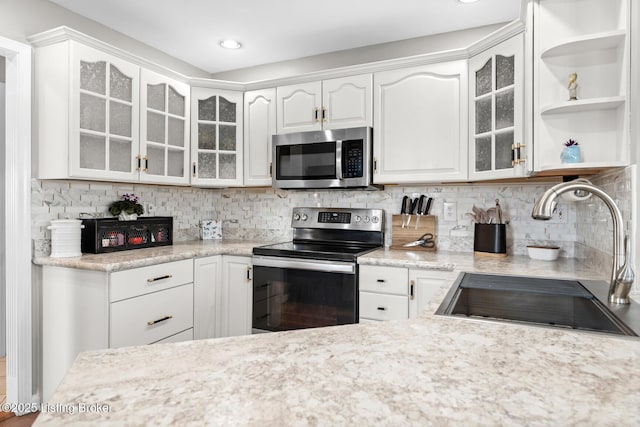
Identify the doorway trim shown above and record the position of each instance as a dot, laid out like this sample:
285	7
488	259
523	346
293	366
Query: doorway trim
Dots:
17	181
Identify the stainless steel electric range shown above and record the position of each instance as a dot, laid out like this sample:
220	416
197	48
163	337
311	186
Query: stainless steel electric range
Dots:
312	281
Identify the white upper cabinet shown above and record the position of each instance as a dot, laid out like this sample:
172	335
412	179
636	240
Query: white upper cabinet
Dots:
347	102
87	113
590	38
421	124
496	144
331	104
101	117
216	137
164	129
259	127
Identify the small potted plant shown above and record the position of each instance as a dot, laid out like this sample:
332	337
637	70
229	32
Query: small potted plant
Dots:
571	152
127	208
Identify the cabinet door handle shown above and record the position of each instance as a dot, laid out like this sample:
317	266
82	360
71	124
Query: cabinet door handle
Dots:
270	168
324	114
315	114
146	164
412	285
380	280
248	274
382	308
194	169
375	165
139	162
155	279
153	322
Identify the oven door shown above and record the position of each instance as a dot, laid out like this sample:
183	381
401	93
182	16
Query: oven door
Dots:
291	293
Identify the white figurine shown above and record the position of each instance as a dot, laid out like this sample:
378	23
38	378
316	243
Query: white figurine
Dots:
573	86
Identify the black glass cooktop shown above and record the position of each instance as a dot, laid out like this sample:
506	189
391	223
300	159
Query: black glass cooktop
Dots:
308	250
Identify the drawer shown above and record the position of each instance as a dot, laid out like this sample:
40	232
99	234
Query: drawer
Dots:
390	280
179	337
169	312
143	280
383	307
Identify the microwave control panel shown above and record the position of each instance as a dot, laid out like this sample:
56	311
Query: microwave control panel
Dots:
353	159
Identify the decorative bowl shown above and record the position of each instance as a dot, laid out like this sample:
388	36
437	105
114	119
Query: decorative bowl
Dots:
545	253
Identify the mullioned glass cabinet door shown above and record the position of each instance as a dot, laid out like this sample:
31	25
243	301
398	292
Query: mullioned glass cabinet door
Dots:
164	125
496	109
104	117
216	129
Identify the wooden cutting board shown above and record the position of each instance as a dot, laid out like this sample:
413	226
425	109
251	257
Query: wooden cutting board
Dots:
400	236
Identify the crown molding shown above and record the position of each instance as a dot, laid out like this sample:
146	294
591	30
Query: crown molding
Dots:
63	33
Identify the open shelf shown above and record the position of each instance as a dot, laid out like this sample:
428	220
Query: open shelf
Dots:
580	105
600	41
582	168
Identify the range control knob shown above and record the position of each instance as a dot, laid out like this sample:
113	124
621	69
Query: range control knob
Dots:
375	219
296	217
366	219
305	217
358	218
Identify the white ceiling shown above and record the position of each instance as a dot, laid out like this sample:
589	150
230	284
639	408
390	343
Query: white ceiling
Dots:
278	30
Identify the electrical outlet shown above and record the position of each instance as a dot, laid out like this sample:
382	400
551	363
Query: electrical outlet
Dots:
449	211
150	208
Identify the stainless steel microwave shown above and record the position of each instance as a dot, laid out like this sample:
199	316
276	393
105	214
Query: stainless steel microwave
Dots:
339	158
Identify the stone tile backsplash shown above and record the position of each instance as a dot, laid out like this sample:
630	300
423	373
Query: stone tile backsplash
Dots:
264	213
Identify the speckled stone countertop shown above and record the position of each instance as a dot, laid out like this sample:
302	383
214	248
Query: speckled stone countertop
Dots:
124	260
427	371
431	370
464	261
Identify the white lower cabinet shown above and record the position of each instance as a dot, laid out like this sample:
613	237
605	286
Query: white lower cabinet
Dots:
396	293
207	276
223	296
236	296
90	310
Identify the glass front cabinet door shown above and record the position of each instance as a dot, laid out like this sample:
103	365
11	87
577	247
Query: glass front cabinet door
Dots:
496	112
216	133
103	140
164	130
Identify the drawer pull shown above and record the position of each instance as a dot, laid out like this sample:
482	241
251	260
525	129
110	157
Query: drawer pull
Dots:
380	280
411	289
155	279
153	322
382	308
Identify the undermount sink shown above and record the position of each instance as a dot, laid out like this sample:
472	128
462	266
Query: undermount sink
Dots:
569	304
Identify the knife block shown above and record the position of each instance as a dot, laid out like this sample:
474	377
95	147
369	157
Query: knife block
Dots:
400	236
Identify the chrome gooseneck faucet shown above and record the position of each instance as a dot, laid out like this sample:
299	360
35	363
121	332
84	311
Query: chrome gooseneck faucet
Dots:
620	284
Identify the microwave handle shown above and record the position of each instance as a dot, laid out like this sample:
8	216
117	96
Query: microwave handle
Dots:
339	159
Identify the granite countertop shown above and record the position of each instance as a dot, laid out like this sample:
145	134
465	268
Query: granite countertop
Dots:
428	370
124	260
465	261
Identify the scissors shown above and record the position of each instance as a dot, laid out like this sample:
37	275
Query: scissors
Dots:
426	241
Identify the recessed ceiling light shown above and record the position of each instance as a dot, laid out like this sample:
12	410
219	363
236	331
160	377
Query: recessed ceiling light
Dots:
230	44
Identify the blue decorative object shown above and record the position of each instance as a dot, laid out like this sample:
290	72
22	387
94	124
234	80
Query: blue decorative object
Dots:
571	154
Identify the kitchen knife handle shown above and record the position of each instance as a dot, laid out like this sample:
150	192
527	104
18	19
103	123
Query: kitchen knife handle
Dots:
420	205
403	208
428	208
414	205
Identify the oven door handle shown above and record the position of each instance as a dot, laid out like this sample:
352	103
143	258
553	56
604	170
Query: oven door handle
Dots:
305	264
